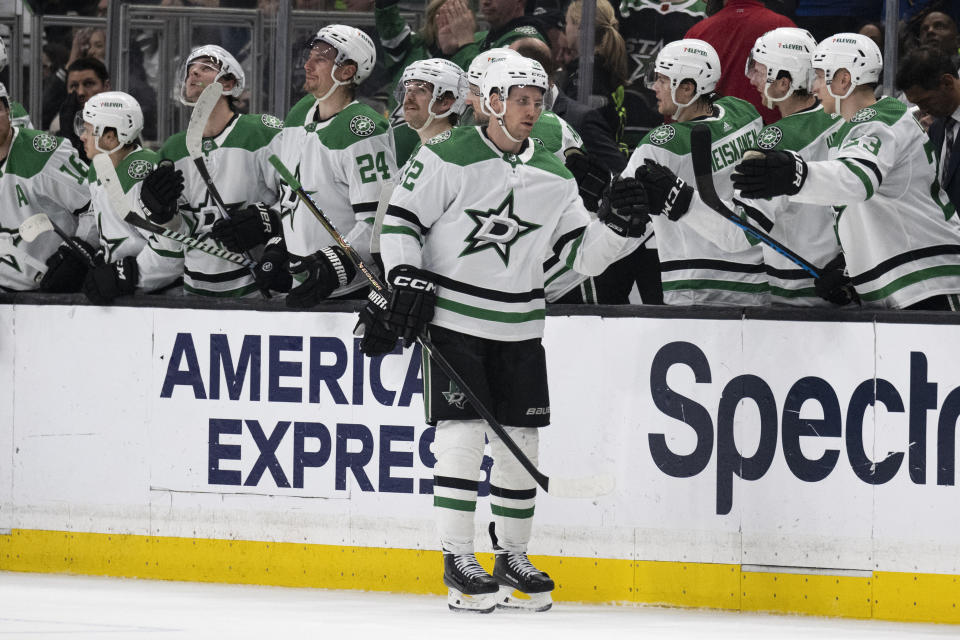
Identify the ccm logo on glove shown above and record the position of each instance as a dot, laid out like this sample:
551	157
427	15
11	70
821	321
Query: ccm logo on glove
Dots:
414	283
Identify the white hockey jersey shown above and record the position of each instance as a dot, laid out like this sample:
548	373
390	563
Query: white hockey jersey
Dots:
120	239
693	269
237	161
41	174
806	229
899	232
343	163
483	221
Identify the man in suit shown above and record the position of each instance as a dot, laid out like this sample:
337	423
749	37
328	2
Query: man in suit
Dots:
928	76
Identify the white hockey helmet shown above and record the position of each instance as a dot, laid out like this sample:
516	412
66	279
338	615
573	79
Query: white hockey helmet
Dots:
511	72
856	53
784	49
480	63
111	110
351	44
446	77
228	67
689	59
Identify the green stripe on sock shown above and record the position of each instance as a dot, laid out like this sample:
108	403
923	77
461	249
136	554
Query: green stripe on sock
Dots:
507	512
457	505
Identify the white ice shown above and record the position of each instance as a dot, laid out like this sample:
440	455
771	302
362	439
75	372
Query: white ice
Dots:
61	607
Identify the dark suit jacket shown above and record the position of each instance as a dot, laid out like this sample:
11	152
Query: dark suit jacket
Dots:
597	137
951	182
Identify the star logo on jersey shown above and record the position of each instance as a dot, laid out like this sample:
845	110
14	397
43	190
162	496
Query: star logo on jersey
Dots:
455	397
662	134
496	229
44	143
271	121
289	199
867	113
769	137
362	126
440	137
113	244
139	169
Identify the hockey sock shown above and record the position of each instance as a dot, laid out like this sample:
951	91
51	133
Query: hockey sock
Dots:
513	492
458	447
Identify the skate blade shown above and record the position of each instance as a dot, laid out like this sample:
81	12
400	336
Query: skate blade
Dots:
464	602
510	598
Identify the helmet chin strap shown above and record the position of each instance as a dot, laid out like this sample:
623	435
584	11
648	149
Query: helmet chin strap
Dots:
430	116
336	83
837	98
769	100
503	125
680	107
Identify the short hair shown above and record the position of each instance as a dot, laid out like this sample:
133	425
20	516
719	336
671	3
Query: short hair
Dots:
91	64
924	66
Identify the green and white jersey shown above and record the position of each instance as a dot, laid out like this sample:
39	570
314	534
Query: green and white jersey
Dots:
19	116
41	174
806	229
693	269
484	221
237	161
343	163
119	239
898	230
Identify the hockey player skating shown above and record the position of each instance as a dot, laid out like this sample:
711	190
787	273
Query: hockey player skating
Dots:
463	243
779	68
899	234
694	270
40	173
234	151
341	152
110	124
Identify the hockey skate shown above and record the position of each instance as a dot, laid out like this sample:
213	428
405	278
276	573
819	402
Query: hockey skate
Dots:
470	587
522	585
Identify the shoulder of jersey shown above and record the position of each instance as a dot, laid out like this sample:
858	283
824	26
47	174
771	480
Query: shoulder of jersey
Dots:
31	151
738	109
254	130
298	112
797	131
175	148
463	146
544	158
136	166
674	137
887	110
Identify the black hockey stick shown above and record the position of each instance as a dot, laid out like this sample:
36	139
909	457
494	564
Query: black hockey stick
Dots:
700	150
565	487
107	174
41	223
193	139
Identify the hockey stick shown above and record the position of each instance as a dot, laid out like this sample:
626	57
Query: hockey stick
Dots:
193	139
587	487
700	150
41	223
8	248
107	175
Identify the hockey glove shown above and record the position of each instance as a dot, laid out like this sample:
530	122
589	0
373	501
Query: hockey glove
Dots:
377	338
592	177
624	208
834	285
160	191
319	275
107	282
669	195
412	302
766	174
66	270
247	228
272	273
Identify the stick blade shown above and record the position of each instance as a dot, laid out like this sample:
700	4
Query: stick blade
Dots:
199	116
34	226
585	487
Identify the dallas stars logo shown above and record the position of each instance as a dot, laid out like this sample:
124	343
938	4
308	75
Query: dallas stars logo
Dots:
497	229
455	397
662	134
867	113
769	137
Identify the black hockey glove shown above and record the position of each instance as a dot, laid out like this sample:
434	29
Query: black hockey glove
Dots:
766	174
624	208
319	275
272	272
669	195
247	228
592	177
66	270
107	282
377	338
412	302
160	191
834	285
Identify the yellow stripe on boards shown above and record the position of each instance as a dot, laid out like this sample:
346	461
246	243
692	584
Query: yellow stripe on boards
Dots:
880	595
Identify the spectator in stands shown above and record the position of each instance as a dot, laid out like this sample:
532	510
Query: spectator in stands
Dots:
609	64
54	60
86	77
88	43
732	32
939	30
929	79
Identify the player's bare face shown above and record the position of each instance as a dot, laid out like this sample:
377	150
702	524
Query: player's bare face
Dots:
318	64
88	140
416	102
757	75
661	89
475	100
200	73
524	106
820	90
5	127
